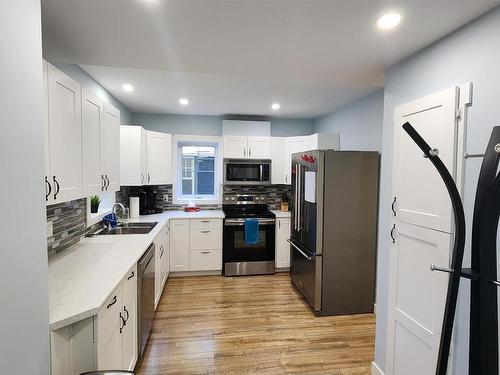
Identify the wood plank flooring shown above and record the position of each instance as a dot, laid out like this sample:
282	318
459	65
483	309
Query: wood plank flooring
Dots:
251	325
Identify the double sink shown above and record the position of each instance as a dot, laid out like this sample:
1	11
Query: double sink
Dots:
129	228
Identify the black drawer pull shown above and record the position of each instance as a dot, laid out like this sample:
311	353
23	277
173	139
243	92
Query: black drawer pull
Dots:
131	275
392	233
112	303
47	183
392	207
57	187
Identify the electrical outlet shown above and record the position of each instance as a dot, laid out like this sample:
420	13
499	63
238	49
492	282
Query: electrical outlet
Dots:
50	229
165	198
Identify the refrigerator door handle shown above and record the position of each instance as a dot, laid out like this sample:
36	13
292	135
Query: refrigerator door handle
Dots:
300	251
296	207
299	197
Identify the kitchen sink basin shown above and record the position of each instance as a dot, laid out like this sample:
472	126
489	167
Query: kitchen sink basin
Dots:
129	228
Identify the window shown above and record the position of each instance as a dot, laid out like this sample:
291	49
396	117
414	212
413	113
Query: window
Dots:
196	171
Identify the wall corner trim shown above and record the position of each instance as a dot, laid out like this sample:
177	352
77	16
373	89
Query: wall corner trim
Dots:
376	370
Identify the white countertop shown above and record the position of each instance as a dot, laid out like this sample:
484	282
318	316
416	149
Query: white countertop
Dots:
281	214
82	277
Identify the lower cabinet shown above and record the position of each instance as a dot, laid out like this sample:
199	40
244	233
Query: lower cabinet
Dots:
282	246
195	245
117	344
106	341
161	242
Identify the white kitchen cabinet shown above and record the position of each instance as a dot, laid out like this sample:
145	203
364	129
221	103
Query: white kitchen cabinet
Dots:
278	175
282	246
159	151
205	260
110	148
166	259
161	262
316	141
109	332
243	147
63	138
129	330
133	155
179	245
92	123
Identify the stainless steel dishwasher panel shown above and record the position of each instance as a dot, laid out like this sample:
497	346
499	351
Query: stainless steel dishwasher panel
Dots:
145	296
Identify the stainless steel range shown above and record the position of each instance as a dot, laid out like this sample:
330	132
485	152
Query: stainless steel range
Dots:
241	258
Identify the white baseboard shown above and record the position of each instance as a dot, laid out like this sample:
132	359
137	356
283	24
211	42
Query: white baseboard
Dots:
376	370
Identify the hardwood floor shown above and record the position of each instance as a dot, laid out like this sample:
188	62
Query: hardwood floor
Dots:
251	325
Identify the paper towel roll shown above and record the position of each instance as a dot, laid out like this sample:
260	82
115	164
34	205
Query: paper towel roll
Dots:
134	206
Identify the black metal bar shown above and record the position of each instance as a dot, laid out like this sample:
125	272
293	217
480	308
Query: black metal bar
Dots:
458	248
483	339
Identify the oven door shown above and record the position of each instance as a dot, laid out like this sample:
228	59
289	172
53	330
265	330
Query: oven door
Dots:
241	258
245	172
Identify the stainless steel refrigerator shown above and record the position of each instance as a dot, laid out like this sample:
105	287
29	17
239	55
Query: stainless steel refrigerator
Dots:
334	229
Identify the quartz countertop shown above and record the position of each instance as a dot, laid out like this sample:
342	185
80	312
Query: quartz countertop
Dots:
82	277
281	214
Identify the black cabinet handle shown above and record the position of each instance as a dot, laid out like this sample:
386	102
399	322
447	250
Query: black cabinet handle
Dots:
392	207
112	303
128	315
47	183
123	321
161	251
107	181
57	187
131	275
142	178
149	178
103	182
392	233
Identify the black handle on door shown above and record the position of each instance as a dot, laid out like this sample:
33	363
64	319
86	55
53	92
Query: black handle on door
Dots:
57	187
392	233
103	182
131	275
112	303
107	181
128	315
161	251
149	178
392	207
123	321
47	194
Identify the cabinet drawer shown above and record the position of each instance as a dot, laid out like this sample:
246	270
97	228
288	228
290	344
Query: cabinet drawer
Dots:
205	239
205	223
205	260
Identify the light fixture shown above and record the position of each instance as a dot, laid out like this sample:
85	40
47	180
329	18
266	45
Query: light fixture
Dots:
183	101
389	21
275	106
128	87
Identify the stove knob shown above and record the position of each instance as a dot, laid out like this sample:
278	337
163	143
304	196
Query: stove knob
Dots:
227	198
233	198
257	198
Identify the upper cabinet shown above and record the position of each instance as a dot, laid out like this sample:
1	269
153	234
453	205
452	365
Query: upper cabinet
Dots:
81	140
63	137
145	157
159	154
243	147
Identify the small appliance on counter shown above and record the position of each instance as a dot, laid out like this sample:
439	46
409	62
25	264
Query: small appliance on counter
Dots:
285	203
243	255
147	202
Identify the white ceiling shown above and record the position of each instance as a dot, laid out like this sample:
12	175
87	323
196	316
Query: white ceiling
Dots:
239	56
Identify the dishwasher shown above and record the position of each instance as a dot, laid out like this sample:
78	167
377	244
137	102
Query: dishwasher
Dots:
146	295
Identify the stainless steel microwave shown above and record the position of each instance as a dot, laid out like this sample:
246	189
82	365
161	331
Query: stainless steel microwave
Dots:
247	172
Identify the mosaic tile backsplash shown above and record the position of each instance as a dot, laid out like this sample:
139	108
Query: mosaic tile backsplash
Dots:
68	225
274	193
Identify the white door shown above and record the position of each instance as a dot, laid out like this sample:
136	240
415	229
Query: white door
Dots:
421	229
92	118
159	254
109	338
65	136
259	147
235	146
110	148
278	160
159	155
129	331
166	245
421	197
144	155
179	245
282	246
48	182
417	298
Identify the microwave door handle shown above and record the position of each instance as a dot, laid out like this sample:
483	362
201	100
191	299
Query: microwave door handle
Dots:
261	172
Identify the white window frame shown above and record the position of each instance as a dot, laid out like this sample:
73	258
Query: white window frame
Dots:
177	164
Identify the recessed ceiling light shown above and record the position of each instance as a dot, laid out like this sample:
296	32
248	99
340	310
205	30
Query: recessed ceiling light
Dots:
275	106
183	101
389	21
128	87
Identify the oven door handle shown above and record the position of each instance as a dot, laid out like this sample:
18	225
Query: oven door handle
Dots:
300	251
241	222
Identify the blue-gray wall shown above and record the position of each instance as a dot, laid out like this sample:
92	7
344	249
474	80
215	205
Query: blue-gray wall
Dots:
80	75
359	123
212	125
470	54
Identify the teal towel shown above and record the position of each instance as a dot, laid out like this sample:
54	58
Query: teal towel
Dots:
251	231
